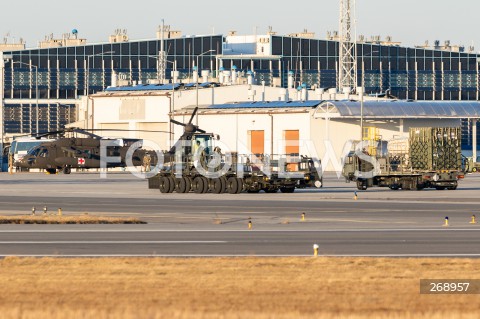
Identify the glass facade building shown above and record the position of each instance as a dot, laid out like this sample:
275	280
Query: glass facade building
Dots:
407	73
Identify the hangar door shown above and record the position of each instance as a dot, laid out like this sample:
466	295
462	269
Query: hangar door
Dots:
292	148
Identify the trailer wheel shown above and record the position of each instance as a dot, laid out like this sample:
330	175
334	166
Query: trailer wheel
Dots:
164	184
180	187
287	189
183	185
218	185
232	185
225	183
271	190
200	185
172	184
420	187
240	185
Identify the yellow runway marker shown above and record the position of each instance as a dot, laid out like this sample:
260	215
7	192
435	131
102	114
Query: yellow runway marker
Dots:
473	221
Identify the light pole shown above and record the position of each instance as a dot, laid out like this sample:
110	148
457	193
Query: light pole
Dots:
362	92
172	104
196	84
87	82
2	85
361	100
36	90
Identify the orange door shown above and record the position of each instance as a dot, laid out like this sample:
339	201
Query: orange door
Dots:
257	142
292	148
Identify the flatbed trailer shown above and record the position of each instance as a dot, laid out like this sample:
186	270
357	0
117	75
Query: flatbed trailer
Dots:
411	181
236	174
429	158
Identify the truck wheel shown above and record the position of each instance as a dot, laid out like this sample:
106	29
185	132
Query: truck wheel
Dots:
239	185
225	183
271	190
67	170
287	189
362	185
172	184
232	185
218	185
474	169
164	184
420	187
205	184
453	187
181	185
199	185
51	171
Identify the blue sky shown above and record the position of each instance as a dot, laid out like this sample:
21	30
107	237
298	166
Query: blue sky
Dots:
408	21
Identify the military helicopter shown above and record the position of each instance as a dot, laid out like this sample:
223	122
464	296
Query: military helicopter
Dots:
65	153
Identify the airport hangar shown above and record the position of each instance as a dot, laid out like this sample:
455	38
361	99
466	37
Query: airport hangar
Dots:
277	127
66	71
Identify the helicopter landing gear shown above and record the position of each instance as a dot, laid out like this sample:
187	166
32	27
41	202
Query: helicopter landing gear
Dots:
66	170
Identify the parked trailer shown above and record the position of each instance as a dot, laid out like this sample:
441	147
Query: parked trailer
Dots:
203	171
429	158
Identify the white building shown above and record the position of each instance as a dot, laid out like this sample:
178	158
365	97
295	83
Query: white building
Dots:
310	123
311	127
130	111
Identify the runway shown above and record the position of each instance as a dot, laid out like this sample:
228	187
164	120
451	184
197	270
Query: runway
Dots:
380	223
105	241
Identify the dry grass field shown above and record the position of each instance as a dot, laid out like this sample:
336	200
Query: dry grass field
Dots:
232	288
77	219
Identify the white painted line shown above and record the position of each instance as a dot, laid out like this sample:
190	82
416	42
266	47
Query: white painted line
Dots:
245	255
100	230
109	242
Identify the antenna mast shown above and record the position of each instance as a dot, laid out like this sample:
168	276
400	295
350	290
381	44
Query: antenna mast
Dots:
162	63
347	76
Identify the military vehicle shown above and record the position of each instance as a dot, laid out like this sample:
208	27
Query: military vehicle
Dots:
429	158
64	153
196	163
473	166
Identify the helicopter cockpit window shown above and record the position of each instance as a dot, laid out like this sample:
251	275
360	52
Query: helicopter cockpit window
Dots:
34	151
43	152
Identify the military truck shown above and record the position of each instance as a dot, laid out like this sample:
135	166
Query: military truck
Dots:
196	163
429	158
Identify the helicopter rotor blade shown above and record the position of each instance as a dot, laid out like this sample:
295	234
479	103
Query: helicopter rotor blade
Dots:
178	123
81	131
123	130
44	134
193	115
200	130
